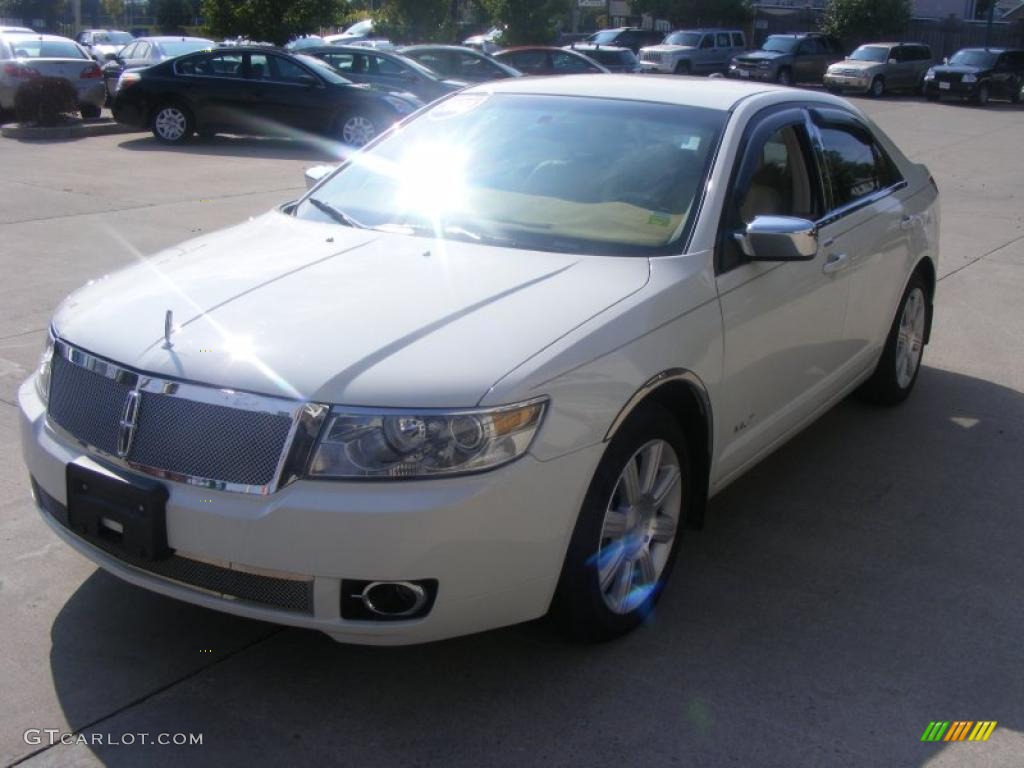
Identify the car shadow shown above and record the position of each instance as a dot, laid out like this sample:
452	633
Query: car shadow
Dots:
306	148
860	582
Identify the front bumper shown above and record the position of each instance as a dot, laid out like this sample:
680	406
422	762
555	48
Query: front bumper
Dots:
847	82
652	67
956	89
494	541
762	75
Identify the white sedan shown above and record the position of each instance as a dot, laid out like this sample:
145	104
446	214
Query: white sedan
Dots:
492	366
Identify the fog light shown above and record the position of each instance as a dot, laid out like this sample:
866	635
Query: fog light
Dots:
387	600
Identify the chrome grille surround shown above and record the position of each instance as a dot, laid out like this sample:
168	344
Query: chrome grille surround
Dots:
190	433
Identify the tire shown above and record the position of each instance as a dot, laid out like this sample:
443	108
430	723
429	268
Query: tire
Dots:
682	68
1015	88
785	76
981	99
932	96
897	370
89	111
877	88
834	90
173	123
358	129
621	554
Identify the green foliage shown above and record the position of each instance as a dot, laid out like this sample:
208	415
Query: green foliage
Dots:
415	21
274	21
695	13
45	101
172	15
28	11
113	8
866	19
527	21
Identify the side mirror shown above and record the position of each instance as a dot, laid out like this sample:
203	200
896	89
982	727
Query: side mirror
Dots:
945	59
779	238
309	81
316	173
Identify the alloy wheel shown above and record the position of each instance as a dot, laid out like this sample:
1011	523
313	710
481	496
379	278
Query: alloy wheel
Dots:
877	87
640	525
910	338
170	123
358	130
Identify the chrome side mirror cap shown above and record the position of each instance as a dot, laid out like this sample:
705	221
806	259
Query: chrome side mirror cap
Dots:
779	238
316	173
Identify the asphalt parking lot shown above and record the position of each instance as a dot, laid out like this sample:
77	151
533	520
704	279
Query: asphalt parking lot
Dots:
861	582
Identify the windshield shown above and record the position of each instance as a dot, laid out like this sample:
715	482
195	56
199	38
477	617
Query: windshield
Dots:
691	39
983	59
112	38
181	47
525	171
605	56
780	44
34	48
870	53
364	27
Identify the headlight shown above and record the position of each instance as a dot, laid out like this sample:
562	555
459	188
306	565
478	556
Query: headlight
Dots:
732	65
970	78
43	374
929	75
364	443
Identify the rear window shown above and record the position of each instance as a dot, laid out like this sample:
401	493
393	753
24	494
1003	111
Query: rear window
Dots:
181	47
604	56
29	48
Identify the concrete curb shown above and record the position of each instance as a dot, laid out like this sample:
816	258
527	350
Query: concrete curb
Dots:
72	131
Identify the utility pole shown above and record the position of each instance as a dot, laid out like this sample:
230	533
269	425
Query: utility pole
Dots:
76	9
988	26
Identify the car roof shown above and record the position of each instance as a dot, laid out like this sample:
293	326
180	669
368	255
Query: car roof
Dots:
593	47
173	38
704	29
991	50
36	36
711	93
532	48
439	47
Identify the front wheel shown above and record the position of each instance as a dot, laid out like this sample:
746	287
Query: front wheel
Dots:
358	129
785	76
627	533
1015	91
173	124
877	89
900	363
982	98
89	111
682	68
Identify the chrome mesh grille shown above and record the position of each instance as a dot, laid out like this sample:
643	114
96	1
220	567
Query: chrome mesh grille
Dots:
185	432
205	440
86	404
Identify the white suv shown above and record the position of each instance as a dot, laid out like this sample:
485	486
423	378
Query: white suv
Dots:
482	372
694	52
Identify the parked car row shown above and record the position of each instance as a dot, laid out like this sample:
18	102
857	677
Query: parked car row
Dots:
26	55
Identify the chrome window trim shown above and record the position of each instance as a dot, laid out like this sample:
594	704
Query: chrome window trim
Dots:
862	202
309	415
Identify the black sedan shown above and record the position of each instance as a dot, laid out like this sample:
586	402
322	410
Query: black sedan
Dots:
978	74
388	71
147	51
255	91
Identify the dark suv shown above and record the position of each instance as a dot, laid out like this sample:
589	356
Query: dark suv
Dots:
788	59
633	38
978	74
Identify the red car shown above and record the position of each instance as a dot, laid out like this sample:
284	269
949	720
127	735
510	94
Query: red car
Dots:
547	60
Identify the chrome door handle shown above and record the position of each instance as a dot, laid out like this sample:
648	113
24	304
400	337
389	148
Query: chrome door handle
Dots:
909	222
836	262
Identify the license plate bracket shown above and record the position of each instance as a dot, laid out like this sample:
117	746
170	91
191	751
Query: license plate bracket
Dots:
127	515
943	86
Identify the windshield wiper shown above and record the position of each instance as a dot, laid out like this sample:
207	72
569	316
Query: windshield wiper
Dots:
335	213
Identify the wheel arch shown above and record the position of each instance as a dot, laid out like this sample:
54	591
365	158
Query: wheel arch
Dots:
684	394
926	268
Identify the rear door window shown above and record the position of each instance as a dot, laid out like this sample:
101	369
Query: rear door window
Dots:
722	39
737	40
855	165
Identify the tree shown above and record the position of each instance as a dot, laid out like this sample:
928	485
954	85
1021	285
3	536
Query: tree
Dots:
172	15
527	21
274	21
29	11
415	20
863	19
695	13
113	8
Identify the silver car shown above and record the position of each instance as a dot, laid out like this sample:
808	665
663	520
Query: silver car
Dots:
876	68
24	56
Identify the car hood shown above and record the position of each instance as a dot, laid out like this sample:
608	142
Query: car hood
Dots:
663	48
762	55
860	66
958	69
319	311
